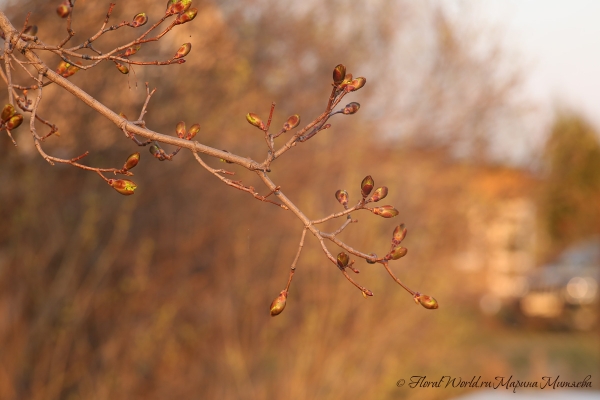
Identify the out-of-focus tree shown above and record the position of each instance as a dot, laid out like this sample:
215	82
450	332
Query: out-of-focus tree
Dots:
570	194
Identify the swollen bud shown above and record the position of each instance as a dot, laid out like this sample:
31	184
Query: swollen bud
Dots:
132	161
183	50
187	16
366	186
253	119
399	233
342	260
178	6
356	84
122	68
194	129
380	193
66	69
7	112
155	151
62	68
385	211
180	129
131	50
339	73
351	108
426	301
372	255
397	253
14	122
123	186
292	122
278	304
342	197
139	20
71	69
64	9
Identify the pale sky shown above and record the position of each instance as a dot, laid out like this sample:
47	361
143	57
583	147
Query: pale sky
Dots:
560	40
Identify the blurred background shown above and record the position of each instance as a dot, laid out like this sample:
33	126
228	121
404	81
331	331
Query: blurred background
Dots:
165	294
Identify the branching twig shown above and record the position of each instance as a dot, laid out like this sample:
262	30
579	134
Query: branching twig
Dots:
27	46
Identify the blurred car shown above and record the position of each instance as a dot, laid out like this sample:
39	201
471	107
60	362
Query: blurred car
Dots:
565	294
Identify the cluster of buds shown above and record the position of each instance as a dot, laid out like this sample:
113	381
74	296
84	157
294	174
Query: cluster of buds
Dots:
10	118
64	9
344	81
66	69
182	133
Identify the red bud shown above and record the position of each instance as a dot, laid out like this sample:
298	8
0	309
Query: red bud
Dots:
399	234
356	84
7	112
123	186
397	253
342	197
122	68
278	304
339	73
351	108
64	10
178	6
131	50
187	16
139	20
132	161
180	129
380	193
366	186
253	119
155	151
292	122
385	211
194	129
426	301
183	50
14	122
342	260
